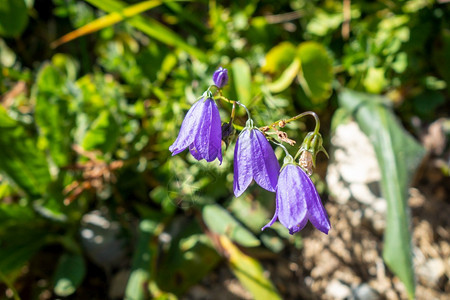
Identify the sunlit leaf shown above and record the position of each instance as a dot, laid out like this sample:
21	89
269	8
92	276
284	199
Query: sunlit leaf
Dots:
249	272
241	80
398	156
286	78
220	221
316	73
279	58
150	27
106	21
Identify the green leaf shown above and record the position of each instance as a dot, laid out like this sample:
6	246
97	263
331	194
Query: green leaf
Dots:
249	272
398	156
102	134
190	257
375	81
16	250
316	73
20	159
220	221
106	21
69	274
13	17
286	78
144	254
241	80
279	58
150	27
52	114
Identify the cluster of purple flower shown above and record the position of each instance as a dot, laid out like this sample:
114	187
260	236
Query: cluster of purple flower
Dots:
297	200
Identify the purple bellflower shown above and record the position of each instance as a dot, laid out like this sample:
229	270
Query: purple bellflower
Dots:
220	77
297	201
201	132
254	159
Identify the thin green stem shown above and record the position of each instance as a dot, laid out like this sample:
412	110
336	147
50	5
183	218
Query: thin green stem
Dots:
281	145
220	97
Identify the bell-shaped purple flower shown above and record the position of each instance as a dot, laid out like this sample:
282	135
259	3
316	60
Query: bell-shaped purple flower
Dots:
254	159
220	77
201	132
297	201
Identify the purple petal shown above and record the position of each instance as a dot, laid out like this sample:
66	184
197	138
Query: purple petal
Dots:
220	77
188	128
208	137
290	199
316	212
275	217
243	175
264	161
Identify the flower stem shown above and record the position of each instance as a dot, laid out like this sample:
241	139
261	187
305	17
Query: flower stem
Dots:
220	97
316	118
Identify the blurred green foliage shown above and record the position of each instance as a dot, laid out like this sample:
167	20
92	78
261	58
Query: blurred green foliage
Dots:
85	128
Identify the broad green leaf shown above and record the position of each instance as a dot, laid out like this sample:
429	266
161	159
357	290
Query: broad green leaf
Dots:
249	272
220	221
14	214
241	80
69	274
52	114
106	21
398	156
316	74
150	27
286	78
102	134
17	249
142	259
13	17
279	58
20	159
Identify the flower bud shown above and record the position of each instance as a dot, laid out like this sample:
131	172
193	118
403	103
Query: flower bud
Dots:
312	144
220	77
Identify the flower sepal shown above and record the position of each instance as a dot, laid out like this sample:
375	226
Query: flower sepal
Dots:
311	146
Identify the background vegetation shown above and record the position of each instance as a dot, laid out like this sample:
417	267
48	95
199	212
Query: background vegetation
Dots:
87	184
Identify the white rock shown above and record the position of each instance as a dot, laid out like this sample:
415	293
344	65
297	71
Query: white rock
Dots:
338	290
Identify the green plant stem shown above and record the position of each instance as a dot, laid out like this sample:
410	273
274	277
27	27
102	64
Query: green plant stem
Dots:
316	118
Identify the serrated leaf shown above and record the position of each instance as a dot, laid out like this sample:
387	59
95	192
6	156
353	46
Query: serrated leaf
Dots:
69	274
20	159
221	222
316	73
398	156
249	272
241	80
13	17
